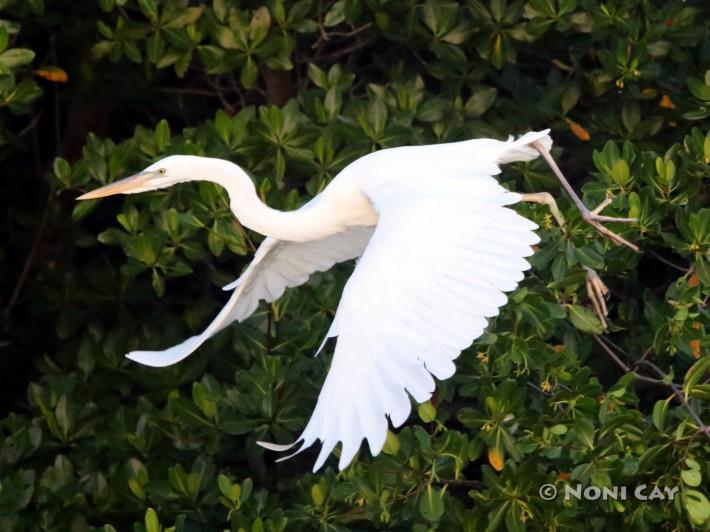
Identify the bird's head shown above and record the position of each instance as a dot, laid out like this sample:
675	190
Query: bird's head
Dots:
162	174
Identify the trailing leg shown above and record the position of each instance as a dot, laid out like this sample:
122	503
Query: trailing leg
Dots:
597	291
592	217
545	198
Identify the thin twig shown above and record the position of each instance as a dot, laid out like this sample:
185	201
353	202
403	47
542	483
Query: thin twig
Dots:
28	261
463	483
623	366
351	33
666	261
644	356
228	106
678	391
188	91
321	28
29	127
690	443
346	51
326	36
201	92
245	234
537	388
663	381
236	88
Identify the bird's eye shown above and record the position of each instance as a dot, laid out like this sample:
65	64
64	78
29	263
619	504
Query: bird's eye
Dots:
161	171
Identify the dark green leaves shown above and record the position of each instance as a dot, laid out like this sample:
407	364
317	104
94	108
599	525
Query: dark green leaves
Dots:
697	506
17	491
584	319
15	93
698	371
292	92
152	524
480	101
234	495
440	17
431	503
17	57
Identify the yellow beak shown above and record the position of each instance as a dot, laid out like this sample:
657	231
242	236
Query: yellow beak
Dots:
123	186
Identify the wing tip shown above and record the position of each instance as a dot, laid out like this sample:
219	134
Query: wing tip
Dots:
231	286
148	358
277	447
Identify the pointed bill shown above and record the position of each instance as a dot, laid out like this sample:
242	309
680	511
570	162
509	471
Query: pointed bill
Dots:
133	183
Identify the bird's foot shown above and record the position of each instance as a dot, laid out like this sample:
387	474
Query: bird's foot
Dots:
596	220
592	217
598	293
545	198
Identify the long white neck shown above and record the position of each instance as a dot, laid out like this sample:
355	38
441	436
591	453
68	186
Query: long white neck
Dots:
307	223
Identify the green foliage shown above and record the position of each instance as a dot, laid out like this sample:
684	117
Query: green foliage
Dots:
16	93
293	91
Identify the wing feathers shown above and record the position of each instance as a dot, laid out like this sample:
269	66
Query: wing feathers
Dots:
445	250
277	265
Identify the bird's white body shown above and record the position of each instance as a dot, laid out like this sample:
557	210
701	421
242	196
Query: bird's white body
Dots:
437	248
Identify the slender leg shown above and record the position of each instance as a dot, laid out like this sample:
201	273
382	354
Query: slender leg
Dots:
597	291
592	217
545	198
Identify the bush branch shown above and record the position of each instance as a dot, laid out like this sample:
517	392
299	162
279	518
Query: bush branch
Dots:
662	381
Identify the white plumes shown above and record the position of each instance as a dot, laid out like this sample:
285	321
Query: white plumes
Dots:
438	247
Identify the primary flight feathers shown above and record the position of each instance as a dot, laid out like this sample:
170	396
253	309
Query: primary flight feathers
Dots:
438	247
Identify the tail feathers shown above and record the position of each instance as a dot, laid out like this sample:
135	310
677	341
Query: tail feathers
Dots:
520	149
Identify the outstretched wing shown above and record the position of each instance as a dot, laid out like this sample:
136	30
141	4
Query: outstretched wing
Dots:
444	251
277	265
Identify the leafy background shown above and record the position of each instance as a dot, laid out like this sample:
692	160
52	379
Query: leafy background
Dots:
293	91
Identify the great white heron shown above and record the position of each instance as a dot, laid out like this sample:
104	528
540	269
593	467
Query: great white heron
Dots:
437	246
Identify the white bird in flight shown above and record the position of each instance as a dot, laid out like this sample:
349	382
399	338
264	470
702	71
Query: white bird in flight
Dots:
437	248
